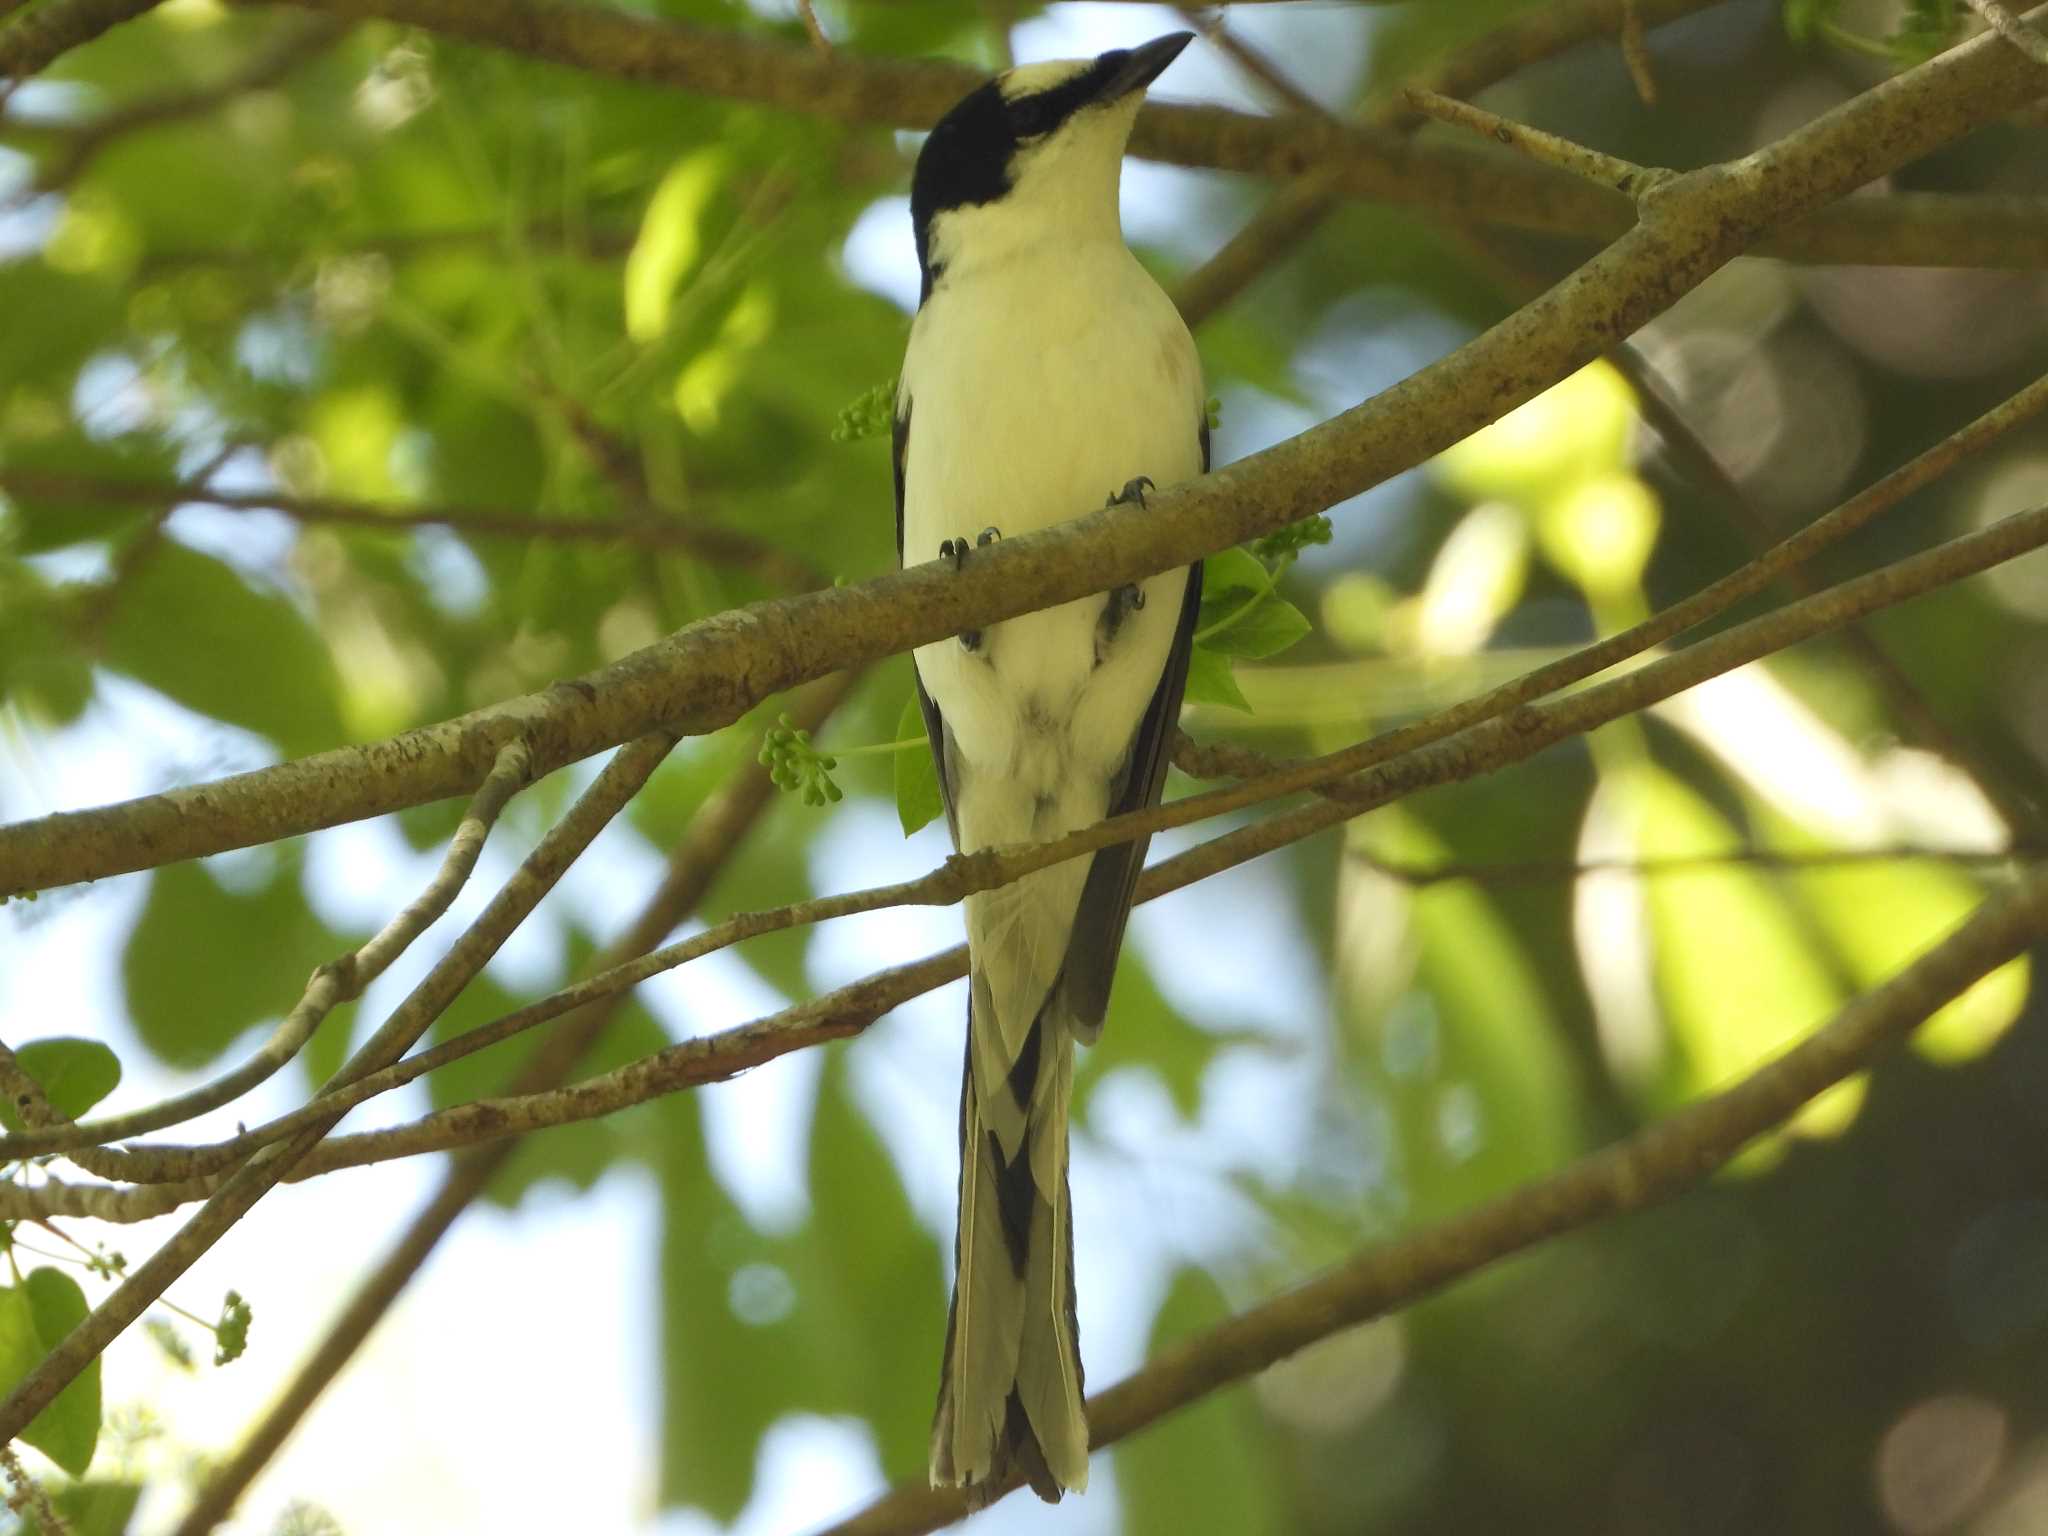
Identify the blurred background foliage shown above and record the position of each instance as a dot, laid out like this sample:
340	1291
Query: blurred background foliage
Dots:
393	297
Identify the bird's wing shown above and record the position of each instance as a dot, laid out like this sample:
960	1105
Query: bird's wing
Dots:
1098	932
934	722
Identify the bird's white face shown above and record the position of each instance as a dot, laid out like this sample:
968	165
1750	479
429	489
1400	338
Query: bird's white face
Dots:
1032	158
1063	178
1079	160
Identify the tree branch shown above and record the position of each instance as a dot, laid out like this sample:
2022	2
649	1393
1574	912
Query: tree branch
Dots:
337	982
1373	165
2012	29
709	673
716	833
83	143
709	542
1555	871
563	844
1648	1168
33	43
1372	774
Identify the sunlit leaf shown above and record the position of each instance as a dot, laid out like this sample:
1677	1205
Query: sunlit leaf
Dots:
1737	972
669	241
1571	432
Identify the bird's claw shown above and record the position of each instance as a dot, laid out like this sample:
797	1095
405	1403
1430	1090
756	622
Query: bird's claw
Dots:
1133	491
956	550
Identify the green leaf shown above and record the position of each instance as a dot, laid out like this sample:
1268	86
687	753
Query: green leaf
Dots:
1264	628
670	241
1737	972
192	629
69	1428
917	776
1465	1052
205	963
91	1509
41	667
74	1075
1802	17
1210	680
1228	578
1208	1468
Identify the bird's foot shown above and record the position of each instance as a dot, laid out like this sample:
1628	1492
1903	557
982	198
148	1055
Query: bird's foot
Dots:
1116	607
1133	491
956	550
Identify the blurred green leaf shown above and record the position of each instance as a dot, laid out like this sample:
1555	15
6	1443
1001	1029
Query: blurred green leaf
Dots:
74	1075
917	776
91	1509
193	629
204	962
1209	1467
1737	973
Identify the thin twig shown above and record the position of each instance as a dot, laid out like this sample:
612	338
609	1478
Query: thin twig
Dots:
28	1498
709	673
1259	773
902	93
715	835
276	58
2012	29
1558	871
338	981
564	842
707	541
819	40
1635	52
1914	713
1251	61
1373	774
1650	1167
1545	148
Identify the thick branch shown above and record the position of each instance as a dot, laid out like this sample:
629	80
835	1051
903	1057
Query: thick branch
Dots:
709	673
1376	776
1650	1167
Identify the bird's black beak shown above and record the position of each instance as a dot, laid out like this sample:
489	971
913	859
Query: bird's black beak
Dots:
1134	69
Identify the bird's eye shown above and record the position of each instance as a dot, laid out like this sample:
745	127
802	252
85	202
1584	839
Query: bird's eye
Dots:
1031	117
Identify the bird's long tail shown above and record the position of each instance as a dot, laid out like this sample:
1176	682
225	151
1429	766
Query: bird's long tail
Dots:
1010	1388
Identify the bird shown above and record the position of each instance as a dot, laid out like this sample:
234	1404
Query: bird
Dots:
1046	372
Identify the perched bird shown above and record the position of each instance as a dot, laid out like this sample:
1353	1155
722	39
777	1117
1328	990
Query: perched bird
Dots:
1045	367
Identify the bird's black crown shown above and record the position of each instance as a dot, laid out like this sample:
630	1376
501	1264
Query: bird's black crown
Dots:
967	158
